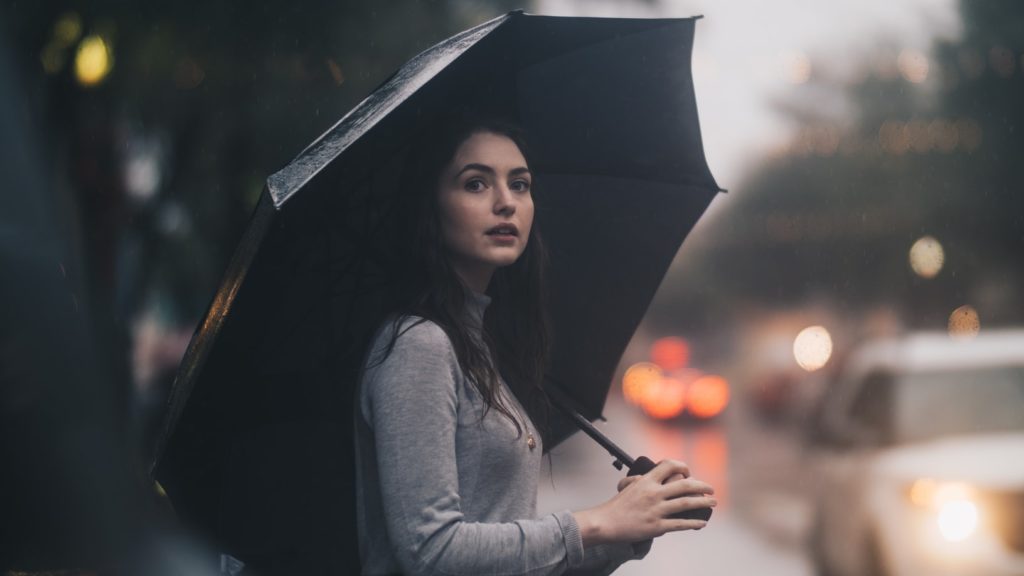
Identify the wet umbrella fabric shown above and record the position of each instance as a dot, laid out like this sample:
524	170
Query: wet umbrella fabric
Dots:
256	450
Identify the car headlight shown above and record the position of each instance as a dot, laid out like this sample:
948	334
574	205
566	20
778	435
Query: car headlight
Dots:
954	506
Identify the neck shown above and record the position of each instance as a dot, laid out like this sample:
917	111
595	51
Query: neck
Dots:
475	278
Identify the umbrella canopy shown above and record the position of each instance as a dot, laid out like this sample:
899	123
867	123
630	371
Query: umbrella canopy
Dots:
257	443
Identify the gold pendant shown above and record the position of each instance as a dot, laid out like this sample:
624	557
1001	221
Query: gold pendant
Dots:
530	441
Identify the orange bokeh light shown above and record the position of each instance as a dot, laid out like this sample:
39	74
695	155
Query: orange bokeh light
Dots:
638	380
708	396
665	399
671	353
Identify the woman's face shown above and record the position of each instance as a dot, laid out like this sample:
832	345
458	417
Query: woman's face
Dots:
486	208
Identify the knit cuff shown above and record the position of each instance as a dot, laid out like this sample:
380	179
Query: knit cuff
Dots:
571	537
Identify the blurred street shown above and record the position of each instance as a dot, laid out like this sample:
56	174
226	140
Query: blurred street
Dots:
837	347
762	515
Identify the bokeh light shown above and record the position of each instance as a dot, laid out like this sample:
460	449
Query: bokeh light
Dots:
913	66
665	398
958	519
707	396
893	137
943	135
68	29
93	60
52	58
927	257
964	323
812	348
671	353
638	380
922	492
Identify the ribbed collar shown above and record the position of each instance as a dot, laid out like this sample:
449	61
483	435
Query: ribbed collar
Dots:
476	305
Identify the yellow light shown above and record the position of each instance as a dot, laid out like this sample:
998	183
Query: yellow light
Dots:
67	30
957	519
927	257
93	60
812	348
964	323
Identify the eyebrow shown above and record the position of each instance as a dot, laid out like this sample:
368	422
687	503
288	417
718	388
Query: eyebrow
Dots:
489	170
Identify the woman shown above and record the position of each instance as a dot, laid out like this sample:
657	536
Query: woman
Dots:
448	459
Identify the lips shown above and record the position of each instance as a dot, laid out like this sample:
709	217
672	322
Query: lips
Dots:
503	230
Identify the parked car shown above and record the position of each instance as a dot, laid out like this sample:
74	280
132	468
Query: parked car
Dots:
918	456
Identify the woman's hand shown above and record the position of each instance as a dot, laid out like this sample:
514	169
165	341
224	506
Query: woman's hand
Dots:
644	504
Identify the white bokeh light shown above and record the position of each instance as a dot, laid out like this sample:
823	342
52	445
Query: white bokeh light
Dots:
958	519
812	348
927	257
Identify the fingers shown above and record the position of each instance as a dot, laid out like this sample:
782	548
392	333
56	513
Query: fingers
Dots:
686	487
627	481
668	468
675	525
678	505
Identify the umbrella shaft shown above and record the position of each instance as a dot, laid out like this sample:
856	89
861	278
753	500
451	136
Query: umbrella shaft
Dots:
585	425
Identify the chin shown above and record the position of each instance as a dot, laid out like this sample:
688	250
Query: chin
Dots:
503	260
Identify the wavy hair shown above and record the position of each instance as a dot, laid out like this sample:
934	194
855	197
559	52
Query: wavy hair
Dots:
516	334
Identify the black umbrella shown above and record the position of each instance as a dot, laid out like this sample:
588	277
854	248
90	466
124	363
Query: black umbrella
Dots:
256	448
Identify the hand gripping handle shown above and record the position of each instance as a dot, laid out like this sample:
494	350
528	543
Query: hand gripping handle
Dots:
643	465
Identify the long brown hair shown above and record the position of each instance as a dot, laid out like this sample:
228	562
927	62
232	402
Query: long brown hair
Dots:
515	332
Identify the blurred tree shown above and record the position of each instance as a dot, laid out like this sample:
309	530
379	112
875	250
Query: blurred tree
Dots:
930	149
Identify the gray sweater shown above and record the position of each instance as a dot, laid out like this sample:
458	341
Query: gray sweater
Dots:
445	489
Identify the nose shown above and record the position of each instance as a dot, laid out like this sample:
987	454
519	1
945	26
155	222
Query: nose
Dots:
504	201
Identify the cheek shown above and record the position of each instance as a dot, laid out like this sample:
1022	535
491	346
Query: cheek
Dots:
456	221
527	212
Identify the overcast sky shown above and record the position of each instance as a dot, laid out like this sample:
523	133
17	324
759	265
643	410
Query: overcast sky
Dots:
751	53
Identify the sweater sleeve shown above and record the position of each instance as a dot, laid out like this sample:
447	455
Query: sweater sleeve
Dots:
411	402
604	559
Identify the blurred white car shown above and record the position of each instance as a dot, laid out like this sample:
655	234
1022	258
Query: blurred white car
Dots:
918	457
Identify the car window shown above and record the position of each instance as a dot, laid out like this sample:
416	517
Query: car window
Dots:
932	405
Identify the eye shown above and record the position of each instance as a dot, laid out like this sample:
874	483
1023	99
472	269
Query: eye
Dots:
520	185
474	185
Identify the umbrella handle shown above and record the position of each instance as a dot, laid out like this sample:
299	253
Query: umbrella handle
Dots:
643	465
